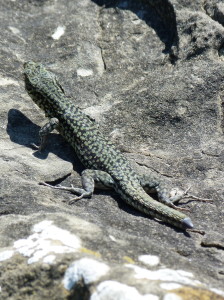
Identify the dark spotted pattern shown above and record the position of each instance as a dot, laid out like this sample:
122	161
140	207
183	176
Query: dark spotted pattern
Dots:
94	151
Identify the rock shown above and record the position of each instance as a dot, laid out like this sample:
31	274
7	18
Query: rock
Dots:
151	74
61	263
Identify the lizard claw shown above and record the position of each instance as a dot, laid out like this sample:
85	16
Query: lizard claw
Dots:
35	147
73	200
186	195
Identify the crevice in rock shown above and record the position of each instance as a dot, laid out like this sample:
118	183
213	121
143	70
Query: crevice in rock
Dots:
215	10
156	170
58	180
103	59
214	244
220	117
81	291
213	240
221	52
159	15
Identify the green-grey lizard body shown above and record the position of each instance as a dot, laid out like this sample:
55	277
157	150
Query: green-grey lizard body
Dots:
104	164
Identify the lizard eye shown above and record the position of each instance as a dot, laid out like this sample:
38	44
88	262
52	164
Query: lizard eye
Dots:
38	68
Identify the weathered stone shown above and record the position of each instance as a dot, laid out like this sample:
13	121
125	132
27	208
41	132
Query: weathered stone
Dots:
151	74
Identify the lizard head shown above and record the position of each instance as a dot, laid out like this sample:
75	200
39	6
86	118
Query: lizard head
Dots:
35	74
31	69
41	84
39	79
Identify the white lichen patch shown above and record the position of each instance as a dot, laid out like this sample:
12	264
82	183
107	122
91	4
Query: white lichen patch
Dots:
18	34
86	269
217	291
110	290
170	286
166	275
172	296
49	259
113	239
14	30
4	255
7	81
151	260
46	240
84	72
60	30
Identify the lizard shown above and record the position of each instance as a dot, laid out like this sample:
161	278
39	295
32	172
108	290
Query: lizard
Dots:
105	165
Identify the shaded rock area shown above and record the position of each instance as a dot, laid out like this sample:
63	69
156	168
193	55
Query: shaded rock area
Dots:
151	74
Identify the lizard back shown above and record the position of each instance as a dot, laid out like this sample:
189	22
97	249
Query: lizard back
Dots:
92	148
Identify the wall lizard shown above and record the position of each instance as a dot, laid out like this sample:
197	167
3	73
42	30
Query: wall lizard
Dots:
105	165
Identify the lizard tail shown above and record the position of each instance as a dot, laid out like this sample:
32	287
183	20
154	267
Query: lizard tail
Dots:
140	200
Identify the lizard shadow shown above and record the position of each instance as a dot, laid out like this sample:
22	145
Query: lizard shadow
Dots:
23	131
159	15
132	211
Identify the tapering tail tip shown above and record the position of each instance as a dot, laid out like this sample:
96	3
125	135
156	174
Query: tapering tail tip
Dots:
187	223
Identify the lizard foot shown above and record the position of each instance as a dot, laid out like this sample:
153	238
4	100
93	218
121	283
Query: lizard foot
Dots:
177	195
81	192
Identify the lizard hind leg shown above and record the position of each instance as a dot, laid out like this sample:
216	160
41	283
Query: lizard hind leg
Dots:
153	183
90	180
175	195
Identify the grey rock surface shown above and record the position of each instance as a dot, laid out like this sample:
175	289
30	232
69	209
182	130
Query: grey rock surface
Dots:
151	74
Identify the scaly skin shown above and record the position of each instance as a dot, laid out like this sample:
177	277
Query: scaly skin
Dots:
112	169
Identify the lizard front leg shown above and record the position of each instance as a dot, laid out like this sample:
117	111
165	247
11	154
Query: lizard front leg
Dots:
44	131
